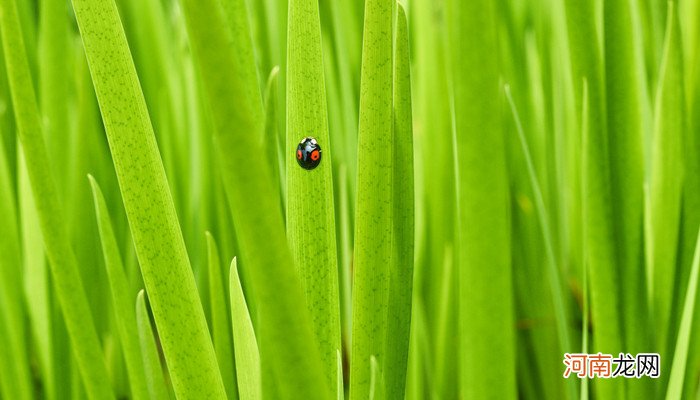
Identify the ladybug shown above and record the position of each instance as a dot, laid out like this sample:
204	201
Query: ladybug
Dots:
308	153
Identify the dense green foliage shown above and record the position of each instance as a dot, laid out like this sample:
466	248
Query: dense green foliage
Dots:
501	182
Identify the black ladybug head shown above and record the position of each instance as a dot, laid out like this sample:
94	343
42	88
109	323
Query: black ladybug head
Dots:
308	153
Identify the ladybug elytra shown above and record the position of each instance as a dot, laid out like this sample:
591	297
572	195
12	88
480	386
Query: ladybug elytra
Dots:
308	153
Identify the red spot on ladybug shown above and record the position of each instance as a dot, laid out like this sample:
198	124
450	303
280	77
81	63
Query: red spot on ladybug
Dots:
315	155
299	155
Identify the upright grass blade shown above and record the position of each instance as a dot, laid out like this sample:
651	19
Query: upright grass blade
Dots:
339	377
598	251
149	206
691	192
37	292
585	319
446	333
220	41
667	183
310	209
69	287
553	270
13	356
273	140
598	236
486	310
625	103
418	357
149	352
680	358
345	254
121	299
54	88
436	190
376	383
374	212
341	61
220	319
401	268
246	346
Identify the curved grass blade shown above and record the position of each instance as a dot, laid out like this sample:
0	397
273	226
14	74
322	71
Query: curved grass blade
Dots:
680	358
157	237
486	311
220	41
245	344
220	325
374	213
67	280
310	209
402	261
121	299
666	187
149	351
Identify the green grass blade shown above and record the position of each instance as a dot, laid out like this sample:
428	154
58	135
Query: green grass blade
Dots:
14	360
486	313
54	88
553	270
598	234
401	267
598	246
339	378
376	383
220	319
374	213
446	335
149	351
667	183
310	209
626	100
149	205
288	351
245	343
417	358
680	358
585	337
691	194
121	299
436	191
274	142
346	252
341	61
36	281
69	287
